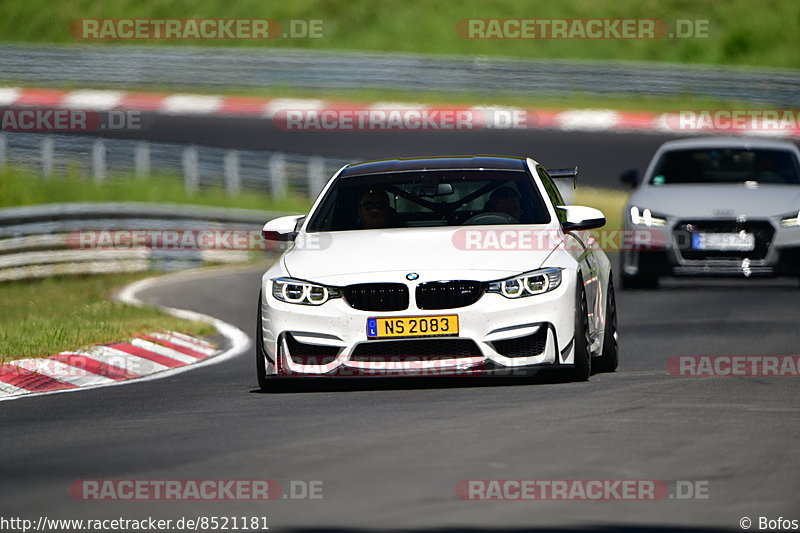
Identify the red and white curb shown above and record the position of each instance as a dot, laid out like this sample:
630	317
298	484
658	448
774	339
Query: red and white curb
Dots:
491	117
103	364
143	358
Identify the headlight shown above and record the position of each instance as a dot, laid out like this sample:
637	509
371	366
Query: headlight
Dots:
295	291
646	218
528	284
791	221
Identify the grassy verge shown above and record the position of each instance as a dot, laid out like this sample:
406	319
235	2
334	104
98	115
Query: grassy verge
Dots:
741	32
19	187
609	201
44	317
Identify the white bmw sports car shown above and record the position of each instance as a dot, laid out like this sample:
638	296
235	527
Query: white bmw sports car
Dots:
437	266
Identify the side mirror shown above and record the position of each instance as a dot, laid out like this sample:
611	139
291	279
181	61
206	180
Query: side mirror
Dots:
630	178
578	217
282	228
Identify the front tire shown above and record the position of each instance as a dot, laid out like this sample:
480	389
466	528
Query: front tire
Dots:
582	359
609	359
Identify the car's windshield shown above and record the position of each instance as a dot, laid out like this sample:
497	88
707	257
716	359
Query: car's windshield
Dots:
726	165
430	198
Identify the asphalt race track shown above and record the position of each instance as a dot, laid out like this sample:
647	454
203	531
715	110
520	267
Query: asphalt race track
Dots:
389	454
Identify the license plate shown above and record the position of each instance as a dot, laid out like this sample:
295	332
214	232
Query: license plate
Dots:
724	242
412	326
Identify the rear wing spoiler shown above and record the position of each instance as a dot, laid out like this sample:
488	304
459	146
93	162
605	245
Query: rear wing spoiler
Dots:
565	173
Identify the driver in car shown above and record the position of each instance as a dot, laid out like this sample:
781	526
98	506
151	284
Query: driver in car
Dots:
374	210
504	200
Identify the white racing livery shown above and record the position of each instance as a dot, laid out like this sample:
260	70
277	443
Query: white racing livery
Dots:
447	266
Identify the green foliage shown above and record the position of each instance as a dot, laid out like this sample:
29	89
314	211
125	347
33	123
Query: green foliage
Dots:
742	32
47	316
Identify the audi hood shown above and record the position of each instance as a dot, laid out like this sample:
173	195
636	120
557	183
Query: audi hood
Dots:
719	200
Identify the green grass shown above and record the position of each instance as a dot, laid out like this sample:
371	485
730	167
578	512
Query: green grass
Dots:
742	32
19	187
609	201
47	316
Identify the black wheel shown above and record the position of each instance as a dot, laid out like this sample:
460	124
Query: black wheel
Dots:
609	359
582	365
639	282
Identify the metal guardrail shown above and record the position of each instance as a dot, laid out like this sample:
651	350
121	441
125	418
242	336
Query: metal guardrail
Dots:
35	241
202	167
187	68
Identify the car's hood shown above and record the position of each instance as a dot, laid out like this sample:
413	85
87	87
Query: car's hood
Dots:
433	253
718	201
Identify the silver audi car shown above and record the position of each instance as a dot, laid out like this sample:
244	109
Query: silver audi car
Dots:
714	207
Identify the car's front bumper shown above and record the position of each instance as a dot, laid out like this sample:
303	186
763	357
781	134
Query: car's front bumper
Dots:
497	336
665	255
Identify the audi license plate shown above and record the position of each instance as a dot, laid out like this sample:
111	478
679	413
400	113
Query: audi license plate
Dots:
724	242
412	326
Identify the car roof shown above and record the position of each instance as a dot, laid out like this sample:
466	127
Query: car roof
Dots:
728	142
477	162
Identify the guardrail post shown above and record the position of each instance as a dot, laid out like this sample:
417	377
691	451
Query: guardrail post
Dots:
277	175
141	159
48	149
98	160
316	176
3	151
191	170
233	184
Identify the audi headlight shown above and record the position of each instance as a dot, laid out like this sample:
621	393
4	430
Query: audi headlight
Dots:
645	217
528	284
791	221
296	291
